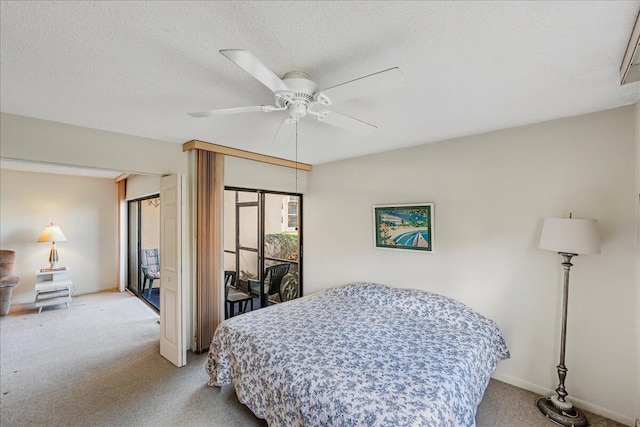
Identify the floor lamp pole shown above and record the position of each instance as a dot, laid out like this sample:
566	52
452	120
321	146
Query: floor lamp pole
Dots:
557	408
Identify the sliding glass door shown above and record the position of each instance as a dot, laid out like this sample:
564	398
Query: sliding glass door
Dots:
262	237
282	239
143	245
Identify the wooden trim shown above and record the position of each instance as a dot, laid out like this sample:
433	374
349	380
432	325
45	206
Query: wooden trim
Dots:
195	144
122	177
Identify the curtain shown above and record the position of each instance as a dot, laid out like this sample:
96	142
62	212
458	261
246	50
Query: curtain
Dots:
209	252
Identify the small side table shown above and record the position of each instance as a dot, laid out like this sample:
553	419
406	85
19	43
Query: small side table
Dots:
53	287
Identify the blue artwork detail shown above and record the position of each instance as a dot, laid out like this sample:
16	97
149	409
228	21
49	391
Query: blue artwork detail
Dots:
413	238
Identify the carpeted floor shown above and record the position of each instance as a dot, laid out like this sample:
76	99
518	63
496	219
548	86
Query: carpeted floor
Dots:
98	364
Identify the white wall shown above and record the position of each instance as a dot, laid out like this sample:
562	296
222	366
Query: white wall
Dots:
139	186
491	194
26	138
85	210
244	173
638	246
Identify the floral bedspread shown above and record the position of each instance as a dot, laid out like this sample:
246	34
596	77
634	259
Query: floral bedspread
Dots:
359	355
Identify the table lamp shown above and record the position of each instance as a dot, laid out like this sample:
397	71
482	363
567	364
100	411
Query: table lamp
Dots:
52	233
569	237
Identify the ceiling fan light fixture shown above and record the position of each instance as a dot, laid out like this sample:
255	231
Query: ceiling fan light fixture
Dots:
297	110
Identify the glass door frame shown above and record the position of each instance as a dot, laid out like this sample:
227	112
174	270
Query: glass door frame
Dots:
260	203
137	203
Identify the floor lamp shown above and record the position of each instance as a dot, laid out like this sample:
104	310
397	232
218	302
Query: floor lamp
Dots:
569	237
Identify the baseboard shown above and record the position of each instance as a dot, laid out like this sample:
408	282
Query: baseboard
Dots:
543	391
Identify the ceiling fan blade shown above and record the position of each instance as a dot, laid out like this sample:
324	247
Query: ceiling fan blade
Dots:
286	131
373	83
346	122
252	65
209	113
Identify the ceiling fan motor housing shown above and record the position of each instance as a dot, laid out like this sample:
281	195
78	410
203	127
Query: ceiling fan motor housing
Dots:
300	82
302	88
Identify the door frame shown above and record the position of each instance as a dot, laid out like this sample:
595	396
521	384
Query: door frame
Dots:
261	226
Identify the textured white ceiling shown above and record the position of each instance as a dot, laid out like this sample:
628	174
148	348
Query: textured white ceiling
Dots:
470	67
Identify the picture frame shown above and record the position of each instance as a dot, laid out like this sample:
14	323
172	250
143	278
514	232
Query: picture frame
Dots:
407	227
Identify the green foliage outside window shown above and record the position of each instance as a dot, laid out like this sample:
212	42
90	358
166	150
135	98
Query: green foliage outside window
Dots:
282	245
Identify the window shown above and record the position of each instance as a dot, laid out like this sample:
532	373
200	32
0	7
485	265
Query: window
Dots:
292	212
263	229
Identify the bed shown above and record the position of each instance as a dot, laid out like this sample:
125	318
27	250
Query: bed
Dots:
359	355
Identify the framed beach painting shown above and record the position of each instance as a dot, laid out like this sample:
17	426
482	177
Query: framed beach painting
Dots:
404	227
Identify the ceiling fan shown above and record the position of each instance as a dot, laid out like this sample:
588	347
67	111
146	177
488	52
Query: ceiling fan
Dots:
296	94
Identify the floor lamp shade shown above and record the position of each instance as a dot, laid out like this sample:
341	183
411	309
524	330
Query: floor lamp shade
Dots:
52	233
571	235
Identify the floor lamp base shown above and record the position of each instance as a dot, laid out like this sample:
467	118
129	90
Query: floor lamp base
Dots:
572	417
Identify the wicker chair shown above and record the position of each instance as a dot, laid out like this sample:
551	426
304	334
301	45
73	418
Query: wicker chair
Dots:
7	280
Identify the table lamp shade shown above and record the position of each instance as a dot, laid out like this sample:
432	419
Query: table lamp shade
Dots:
52	233
571	235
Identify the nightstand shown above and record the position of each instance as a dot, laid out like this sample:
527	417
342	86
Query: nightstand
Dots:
53	287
